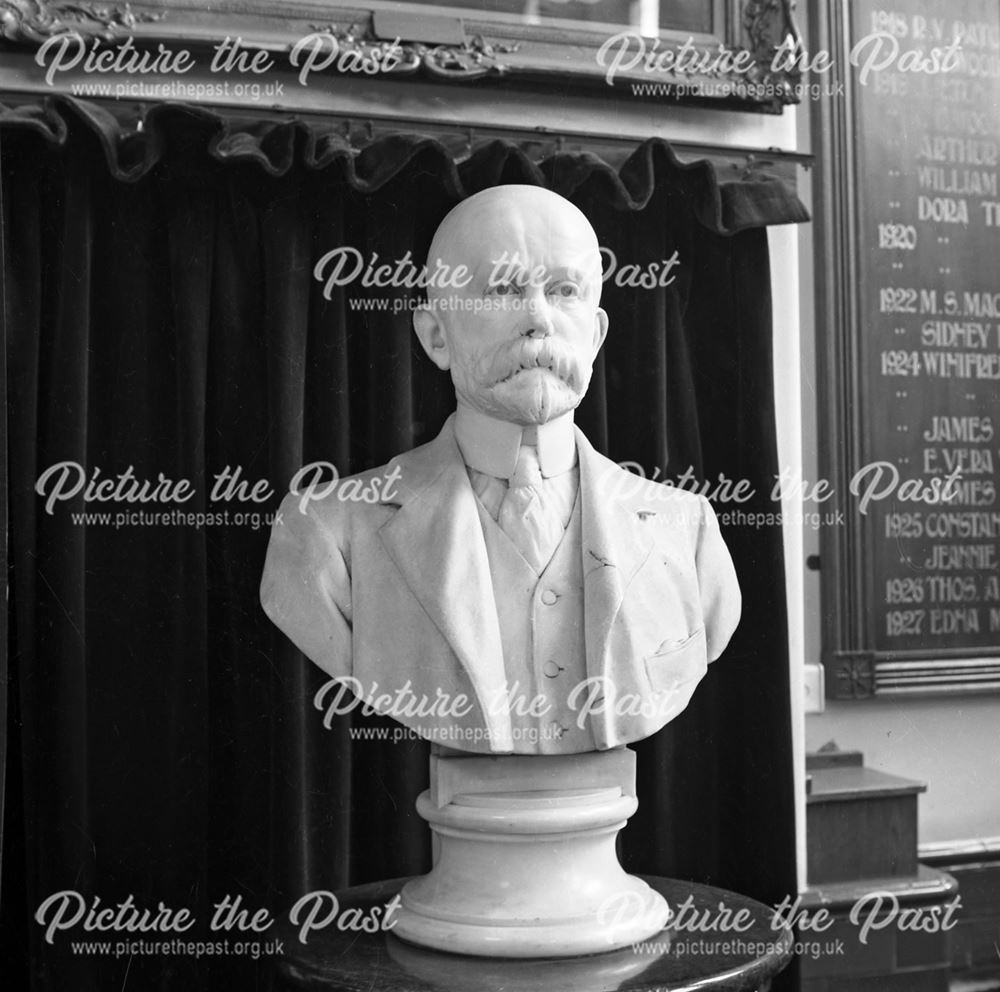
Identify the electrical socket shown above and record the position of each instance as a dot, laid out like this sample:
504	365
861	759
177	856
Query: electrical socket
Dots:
813	682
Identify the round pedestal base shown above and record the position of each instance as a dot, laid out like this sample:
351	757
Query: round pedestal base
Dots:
530	874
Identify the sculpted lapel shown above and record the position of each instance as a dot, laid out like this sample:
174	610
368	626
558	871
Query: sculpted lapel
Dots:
435	541
613	552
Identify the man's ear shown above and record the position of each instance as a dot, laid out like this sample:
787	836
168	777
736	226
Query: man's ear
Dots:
600	329
427	326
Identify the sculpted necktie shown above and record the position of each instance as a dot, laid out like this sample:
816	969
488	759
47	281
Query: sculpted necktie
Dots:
525	517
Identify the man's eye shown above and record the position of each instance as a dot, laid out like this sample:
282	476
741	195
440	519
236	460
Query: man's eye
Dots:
566	290
504	289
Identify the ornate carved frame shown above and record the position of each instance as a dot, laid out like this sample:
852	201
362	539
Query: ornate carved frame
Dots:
443	49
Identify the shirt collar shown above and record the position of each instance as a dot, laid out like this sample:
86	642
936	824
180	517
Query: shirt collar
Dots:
491	446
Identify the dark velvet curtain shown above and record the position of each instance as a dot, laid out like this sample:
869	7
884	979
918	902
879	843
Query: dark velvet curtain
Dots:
161	316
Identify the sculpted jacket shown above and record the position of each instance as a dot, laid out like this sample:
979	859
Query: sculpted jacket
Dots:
395	596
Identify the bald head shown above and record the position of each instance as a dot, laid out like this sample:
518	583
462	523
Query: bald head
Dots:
517	232
512	310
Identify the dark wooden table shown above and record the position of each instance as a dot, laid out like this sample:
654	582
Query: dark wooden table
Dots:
702	954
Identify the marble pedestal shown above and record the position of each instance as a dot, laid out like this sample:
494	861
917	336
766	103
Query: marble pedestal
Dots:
674	960
524	858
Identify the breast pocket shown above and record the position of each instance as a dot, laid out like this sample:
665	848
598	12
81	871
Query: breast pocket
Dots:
677	663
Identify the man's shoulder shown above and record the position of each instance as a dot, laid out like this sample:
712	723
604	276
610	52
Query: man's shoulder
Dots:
326	500
633	489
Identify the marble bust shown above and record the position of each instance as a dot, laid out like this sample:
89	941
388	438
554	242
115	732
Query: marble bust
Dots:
514	597
511	590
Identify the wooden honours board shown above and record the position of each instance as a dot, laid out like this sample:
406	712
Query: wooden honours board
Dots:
919	566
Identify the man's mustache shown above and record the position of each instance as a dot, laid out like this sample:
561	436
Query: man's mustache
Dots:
530	353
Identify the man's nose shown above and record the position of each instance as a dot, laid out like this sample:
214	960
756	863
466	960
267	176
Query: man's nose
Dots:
538	319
